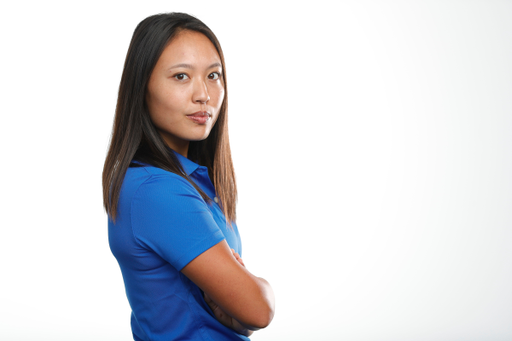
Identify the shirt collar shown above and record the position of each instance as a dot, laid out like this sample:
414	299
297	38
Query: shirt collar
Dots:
188	166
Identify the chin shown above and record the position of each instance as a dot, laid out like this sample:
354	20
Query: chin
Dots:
201	136
198	138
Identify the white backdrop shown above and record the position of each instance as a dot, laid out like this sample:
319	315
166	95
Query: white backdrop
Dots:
373	150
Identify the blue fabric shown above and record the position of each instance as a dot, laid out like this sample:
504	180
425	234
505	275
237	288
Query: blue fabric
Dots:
163	223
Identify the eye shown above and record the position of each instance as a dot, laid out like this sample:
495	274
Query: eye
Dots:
180	76
214	76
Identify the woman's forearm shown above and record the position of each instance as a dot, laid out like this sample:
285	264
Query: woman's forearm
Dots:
267	305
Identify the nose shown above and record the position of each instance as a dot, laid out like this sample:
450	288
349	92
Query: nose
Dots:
201	93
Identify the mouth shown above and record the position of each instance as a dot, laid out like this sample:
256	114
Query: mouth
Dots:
200	117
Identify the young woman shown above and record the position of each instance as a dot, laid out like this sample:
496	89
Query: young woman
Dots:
170	193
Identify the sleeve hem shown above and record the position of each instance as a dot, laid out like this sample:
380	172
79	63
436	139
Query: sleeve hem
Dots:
199	248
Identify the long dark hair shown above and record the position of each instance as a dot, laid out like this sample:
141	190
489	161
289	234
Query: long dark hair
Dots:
134	136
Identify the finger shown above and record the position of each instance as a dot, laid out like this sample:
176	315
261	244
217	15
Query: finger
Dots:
237	256
240	261
213	306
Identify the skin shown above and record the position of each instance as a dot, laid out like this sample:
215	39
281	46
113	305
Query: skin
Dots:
248	299
186	79
221	315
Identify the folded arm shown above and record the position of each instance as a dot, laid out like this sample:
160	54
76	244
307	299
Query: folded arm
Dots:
227	283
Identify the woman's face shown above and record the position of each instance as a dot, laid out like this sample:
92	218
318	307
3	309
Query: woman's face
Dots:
186	90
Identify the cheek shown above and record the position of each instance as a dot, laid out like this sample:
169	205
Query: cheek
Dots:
219	96
165	104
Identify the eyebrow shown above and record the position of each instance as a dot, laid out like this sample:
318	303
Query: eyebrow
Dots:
189	66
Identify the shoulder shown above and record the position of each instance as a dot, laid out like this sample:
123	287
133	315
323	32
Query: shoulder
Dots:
156	183
154	191
168	215
150	186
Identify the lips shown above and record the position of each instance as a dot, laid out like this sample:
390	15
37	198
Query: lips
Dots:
200	117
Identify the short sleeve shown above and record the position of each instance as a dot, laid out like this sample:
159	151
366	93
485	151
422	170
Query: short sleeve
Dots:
171	218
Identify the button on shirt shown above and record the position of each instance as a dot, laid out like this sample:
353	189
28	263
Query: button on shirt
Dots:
163	223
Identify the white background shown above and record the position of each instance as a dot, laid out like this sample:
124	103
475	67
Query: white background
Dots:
373	150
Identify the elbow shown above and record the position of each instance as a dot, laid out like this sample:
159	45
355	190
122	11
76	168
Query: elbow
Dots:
259	306
266	307
264	318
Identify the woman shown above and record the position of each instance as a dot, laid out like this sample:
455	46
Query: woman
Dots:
171	229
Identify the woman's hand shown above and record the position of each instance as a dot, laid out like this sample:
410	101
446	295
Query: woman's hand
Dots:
221	315
237	256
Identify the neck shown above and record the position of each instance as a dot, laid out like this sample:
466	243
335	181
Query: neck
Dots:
183	151
179	146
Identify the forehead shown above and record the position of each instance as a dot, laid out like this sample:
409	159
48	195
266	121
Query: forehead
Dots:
189	47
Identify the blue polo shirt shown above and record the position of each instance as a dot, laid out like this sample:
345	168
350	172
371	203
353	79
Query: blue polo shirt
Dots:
163	223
